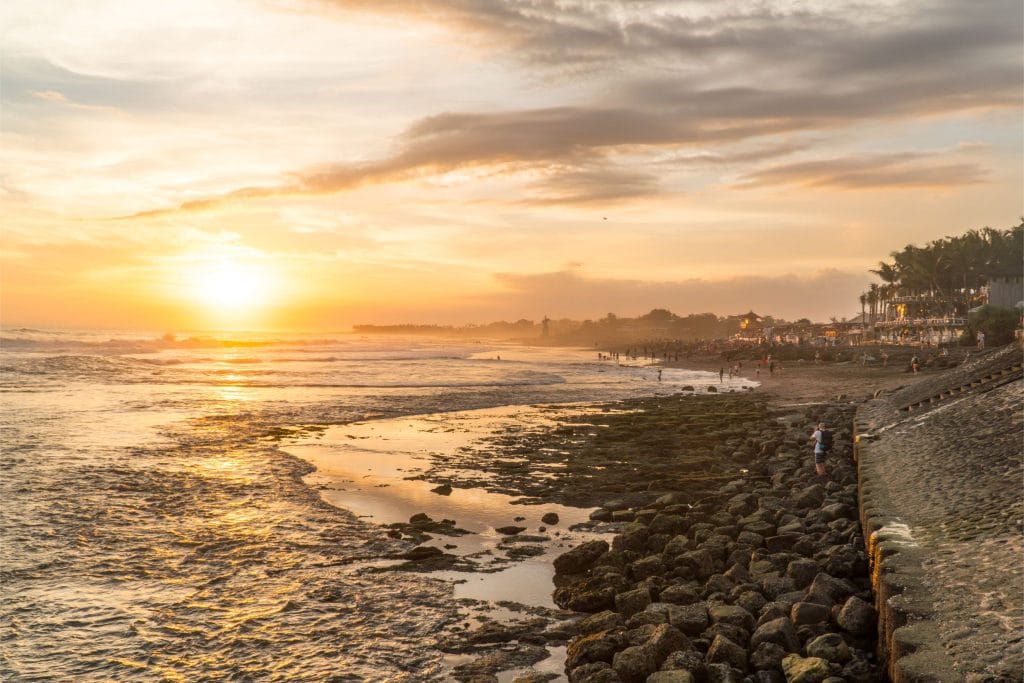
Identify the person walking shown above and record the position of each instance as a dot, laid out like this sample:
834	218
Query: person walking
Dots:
822	439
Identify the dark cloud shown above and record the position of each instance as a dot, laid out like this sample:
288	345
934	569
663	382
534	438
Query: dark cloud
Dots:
796	72
868	172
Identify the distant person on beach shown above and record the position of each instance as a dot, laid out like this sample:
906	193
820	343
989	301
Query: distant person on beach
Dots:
721	375
915	364
659	374
822	439
981	339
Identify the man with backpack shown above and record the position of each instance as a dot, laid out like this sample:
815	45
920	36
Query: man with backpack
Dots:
823	440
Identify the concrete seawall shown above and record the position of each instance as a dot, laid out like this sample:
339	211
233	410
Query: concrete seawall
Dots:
940	469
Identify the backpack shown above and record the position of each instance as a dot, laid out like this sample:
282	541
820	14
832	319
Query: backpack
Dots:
826	439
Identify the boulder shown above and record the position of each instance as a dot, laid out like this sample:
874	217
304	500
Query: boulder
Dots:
810	497
699	562
510	530
690	619
723	673
678	545
634	664
596	672
631	602
550	518
632	538
724	651
779	631
689	661
857	617
647	567
808	613
680	594
667	524
731	614
830	646
804	670
767	656
596	647
602	621
665	640
581	558
677	676
802	572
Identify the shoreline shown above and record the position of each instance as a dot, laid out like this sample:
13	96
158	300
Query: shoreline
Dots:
626	428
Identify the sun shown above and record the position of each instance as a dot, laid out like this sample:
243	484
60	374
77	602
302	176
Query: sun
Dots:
231	286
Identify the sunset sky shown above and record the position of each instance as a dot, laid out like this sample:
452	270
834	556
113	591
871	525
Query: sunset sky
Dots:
290	164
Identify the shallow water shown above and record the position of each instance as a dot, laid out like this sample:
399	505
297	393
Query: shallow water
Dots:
153	529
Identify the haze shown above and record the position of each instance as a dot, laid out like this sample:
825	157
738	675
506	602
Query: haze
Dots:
310	165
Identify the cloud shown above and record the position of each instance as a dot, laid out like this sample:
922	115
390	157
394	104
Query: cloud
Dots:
722	74
905	171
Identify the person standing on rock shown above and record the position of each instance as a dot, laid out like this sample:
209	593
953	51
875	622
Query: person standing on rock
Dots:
822	439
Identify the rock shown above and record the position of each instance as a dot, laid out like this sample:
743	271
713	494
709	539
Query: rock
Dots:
712	389
725	651
601	515
673	498
767	656
810	497
423	552
585	596
580	558
782	542
723	673
634	664
510	530
550	518
808	613
690	661
752	601
623	516
419	518
836	511
632	538
699	562
802	572
856	617
602	621
768	676
646	567
680	676
836	590
779	631
690	619
667	524
774	586
830	646
731	614
680	594
442	490
804	670
631	602
665	640
597	647
595	672
678	545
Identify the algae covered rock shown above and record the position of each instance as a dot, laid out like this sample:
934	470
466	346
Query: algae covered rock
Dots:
804	669
830	646
580	558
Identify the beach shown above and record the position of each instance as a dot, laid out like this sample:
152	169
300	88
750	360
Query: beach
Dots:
263	523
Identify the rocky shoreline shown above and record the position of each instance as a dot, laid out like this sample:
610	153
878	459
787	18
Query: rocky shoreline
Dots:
730	561
764	579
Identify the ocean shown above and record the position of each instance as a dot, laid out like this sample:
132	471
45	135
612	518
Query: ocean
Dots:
160	520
